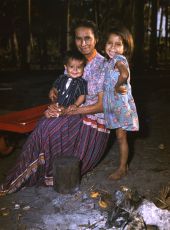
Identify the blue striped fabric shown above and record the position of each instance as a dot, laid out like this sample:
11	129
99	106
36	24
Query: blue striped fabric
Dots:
54	137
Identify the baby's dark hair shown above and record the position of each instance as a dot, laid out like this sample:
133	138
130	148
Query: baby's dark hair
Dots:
74	54
126	36
84	23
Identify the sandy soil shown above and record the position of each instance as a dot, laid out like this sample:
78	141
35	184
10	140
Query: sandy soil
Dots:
149	168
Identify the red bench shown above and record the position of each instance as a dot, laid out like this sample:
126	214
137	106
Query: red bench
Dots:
19	122
22	121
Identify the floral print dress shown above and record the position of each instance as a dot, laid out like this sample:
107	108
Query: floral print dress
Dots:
119	110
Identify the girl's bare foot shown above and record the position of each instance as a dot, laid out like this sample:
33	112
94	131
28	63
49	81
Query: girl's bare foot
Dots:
118	174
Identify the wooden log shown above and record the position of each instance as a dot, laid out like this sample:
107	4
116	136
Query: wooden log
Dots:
66	174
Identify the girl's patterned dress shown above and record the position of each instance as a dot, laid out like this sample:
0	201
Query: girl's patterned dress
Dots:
120	110
84	137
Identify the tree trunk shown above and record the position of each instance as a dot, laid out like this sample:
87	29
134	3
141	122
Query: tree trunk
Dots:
14	49
167	31
153	37
139	36
68	24
96	12
160	25
24	38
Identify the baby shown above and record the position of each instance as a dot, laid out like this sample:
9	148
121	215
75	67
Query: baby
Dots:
70	89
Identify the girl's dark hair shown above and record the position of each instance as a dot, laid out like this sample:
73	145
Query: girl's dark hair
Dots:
126	36
74	54
84	23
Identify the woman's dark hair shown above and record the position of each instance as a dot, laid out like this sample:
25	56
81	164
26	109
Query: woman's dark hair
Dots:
126	37
74	54
84	23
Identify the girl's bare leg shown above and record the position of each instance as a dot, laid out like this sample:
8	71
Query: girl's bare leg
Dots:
123	150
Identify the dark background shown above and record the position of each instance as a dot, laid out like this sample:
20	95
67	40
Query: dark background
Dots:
33	36
35	33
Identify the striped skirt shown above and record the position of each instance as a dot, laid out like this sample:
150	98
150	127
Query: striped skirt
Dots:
76	136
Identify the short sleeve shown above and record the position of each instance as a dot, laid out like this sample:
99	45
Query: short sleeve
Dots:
94	78
101	75
82	87
120	58
58	82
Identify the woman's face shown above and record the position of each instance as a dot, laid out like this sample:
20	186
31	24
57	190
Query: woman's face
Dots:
85	40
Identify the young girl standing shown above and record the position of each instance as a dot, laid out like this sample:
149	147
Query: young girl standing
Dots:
118	103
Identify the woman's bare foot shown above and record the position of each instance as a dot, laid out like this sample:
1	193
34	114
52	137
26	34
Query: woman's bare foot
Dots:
118	174
2	193
4	148
7	151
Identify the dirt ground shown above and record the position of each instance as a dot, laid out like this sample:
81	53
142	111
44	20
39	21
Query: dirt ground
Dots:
149	164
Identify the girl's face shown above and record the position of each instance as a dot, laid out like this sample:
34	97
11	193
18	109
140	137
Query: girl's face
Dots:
85	40
114	45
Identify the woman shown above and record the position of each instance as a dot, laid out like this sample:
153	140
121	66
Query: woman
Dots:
81	133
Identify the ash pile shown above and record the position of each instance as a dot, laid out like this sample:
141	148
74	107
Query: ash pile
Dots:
94	208
97	209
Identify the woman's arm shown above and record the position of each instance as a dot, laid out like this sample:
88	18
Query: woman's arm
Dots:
53	94
80	100
90	109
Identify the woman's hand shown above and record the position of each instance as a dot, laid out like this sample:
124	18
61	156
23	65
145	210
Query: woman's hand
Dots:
53	94
71	108
54	110
89	109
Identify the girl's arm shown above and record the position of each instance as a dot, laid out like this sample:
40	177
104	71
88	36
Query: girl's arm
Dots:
90	109
124	74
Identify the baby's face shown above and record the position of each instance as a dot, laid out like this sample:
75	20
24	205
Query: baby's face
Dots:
74	68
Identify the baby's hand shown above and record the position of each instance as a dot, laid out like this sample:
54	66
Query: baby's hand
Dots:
121	89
